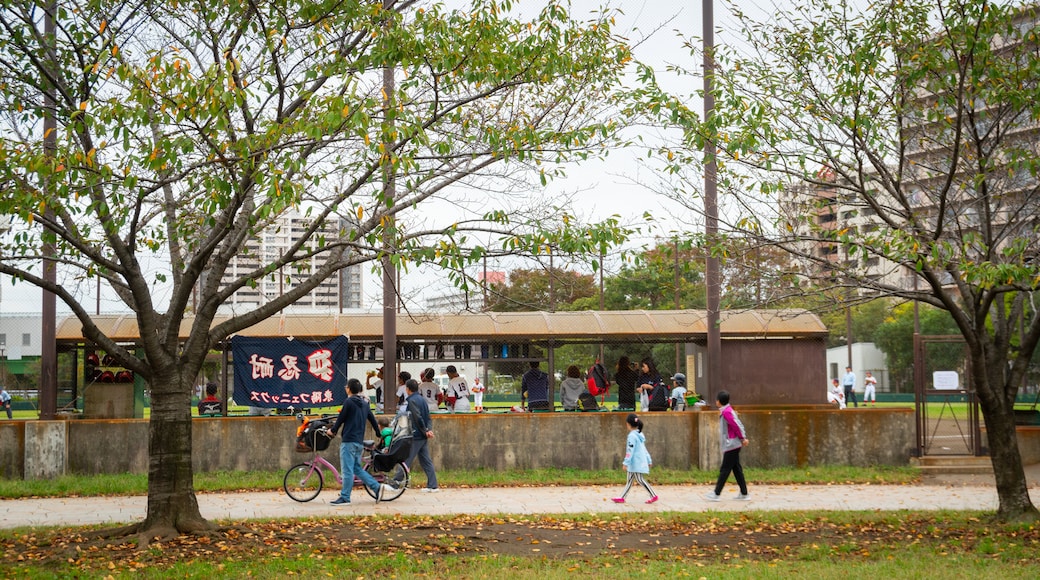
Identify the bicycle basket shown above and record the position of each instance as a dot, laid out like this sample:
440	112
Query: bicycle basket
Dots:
309	438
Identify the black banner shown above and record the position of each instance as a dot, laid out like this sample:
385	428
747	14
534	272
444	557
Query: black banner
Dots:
282	372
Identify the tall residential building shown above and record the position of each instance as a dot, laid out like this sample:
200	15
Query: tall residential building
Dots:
967	163
342	292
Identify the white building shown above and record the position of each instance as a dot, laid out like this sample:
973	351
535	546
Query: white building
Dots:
866	356
342	292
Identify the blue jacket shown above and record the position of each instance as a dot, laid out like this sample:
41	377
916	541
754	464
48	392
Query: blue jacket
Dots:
420	415
637	458
535	386
352	418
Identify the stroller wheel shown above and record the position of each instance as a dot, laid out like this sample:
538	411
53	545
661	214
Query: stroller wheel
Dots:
397	478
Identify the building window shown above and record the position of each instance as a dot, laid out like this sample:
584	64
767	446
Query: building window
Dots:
26	339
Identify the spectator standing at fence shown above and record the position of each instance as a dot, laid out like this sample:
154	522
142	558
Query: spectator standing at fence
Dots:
637	460
625	378
733	437
422	432
869	389
571	388
677	399
534	389
356	410
210	404
649	380
848	382
5	401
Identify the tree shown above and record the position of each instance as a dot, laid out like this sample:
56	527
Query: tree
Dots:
541	290
893	150
895	337
183	129
649	282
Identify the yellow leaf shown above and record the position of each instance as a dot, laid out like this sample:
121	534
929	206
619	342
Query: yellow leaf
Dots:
360	212
104	25
83	106
346	110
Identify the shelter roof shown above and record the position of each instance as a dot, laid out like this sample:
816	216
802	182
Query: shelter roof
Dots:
586	325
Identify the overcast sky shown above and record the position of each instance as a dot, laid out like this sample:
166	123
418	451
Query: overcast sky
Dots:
614	186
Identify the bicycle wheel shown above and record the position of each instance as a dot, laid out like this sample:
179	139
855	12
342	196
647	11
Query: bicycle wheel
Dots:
397	478
303	482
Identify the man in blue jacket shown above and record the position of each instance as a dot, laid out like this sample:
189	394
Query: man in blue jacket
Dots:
352	418
422	432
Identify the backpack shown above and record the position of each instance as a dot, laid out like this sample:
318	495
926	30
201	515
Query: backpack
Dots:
598	382
659	397
587	402
400	443
309	438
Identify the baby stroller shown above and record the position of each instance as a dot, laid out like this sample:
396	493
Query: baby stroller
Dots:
394	454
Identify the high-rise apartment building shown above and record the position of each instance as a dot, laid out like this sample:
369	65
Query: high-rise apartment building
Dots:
340	292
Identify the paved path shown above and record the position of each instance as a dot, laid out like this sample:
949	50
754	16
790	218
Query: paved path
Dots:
514	500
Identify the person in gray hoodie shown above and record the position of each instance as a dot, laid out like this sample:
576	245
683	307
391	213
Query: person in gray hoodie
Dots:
571	388
733	438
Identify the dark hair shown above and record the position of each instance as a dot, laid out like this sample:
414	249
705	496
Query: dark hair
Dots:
451	370
405	376
634	421
574	372
383	421
534	364
428	374
723	397
649	362
624	363
412	385
354	386
211	388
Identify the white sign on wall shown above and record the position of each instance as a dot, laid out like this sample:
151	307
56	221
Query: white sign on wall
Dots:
945	380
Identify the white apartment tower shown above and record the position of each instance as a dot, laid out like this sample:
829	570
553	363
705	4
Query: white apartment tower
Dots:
342	292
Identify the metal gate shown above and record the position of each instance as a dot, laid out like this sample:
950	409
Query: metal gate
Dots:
945	400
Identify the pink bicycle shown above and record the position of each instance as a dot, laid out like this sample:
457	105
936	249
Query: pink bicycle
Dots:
304	481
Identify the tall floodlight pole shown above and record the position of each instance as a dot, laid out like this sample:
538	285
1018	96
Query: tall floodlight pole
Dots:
48	388
711	211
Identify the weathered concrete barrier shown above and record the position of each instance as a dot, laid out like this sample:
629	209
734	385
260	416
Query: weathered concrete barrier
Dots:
778	437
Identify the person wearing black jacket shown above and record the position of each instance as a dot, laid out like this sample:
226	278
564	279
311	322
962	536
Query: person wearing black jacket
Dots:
625	378
422	432
352	418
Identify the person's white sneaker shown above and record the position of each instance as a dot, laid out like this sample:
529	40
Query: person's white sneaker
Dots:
430	489
383	490
743	497
712	496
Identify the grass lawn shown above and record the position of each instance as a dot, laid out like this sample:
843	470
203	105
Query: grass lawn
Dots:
705	545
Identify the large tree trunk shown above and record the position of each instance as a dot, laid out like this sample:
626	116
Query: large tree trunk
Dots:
998	411
172	507
1012	487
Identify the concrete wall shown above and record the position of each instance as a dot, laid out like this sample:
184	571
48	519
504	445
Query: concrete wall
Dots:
806	436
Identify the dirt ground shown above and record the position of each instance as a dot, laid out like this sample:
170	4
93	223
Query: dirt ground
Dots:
536	536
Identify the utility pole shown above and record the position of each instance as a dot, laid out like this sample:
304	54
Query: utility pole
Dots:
711	211
48	388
